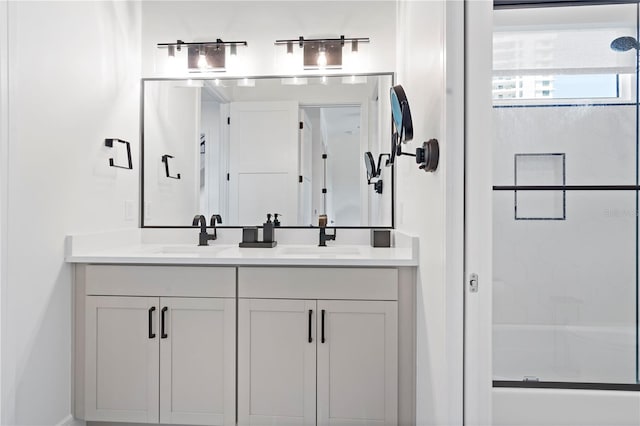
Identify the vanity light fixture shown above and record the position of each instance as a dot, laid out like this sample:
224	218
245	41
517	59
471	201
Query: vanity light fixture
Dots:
320	53
204	55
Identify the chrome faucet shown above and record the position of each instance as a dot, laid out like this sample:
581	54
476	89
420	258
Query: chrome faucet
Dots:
204	237
322	223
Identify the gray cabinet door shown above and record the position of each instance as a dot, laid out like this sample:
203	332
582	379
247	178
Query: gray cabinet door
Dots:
122	359
276	362
357	363
197	359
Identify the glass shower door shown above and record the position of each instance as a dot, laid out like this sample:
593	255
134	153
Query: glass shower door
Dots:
565	198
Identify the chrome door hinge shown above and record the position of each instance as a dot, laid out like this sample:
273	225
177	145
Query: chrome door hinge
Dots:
473	283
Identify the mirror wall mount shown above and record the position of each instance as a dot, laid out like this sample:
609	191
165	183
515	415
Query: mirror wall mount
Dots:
109	143
165	160
204	55
321	53
428	156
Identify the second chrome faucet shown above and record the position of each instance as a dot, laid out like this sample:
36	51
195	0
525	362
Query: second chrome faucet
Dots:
204	237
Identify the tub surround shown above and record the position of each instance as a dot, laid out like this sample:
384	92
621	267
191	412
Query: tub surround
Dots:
295	247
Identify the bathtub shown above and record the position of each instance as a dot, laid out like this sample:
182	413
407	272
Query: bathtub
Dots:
564	354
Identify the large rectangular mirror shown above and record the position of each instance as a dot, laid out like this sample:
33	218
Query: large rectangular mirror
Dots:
246	147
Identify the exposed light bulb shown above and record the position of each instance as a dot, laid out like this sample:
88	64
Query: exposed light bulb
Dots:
322	58
202	60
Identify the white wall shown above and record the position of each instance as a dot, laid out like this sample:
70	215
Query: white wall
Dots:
429	44
211	119
345	191
168	21
73	81
4	161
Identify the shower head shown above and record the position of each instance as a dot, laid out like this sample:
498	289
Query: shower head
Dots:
622	44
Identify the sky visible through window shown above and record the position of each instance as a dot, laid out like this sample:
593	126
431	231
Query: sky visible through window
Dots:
558	86
585	86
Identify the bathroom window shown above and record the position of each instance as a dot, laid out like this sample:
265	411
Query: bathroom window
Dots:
559	86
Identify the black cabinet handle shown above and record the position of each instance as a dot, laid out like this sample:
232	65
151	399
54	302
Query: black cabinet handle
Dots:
322	339
310	316
163	335
152	335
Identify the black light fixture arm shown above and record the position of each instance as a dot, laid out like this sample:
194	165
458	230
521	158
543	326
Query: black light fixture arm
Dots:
179	43
342	39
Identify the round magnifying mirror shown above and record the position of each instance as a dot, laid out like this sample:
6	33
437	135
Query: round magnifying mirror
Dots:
401	114
371	165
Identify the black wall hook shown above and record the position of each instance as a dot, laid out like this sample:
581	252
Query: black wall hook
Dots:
109	143
165	160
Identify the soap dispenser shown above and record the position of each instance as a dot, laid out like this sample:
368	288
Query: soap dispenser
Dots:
267	230
276	222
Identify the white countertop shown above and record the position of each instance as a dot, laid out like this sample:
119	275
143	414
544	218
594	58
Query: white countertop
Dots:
150	246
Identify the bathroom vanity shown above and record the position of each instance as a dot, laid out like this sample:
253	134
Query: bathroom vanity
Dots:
219	335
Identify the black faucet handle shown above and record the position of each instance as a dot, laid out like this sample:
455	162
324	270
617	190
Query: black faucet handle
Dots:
199	220
215	218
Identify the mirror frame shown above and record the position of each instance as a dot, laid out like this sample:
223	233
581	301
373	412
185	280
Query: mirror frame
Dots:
210	77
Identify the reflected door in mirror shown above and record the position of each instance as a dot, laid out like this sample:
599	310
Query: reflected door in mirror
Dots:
263	164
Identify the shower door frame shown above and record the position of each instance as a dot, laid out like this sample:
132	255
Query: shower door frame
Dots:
513	4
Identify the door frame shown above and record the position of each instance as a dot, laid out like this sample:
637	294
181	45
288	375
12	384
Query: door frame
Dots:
477	370
5	393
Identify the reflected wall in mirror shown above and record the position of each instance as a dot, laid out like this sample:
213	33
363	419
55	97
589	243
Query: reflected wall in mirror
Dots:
247	147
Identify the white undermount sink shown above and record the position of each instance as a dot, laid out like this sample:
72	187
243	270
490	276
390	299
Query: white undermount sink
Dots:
191	249
320	251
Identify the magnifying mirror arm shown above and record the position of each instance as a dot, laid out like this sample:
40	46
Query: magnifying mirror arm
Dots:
378	169
399	151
